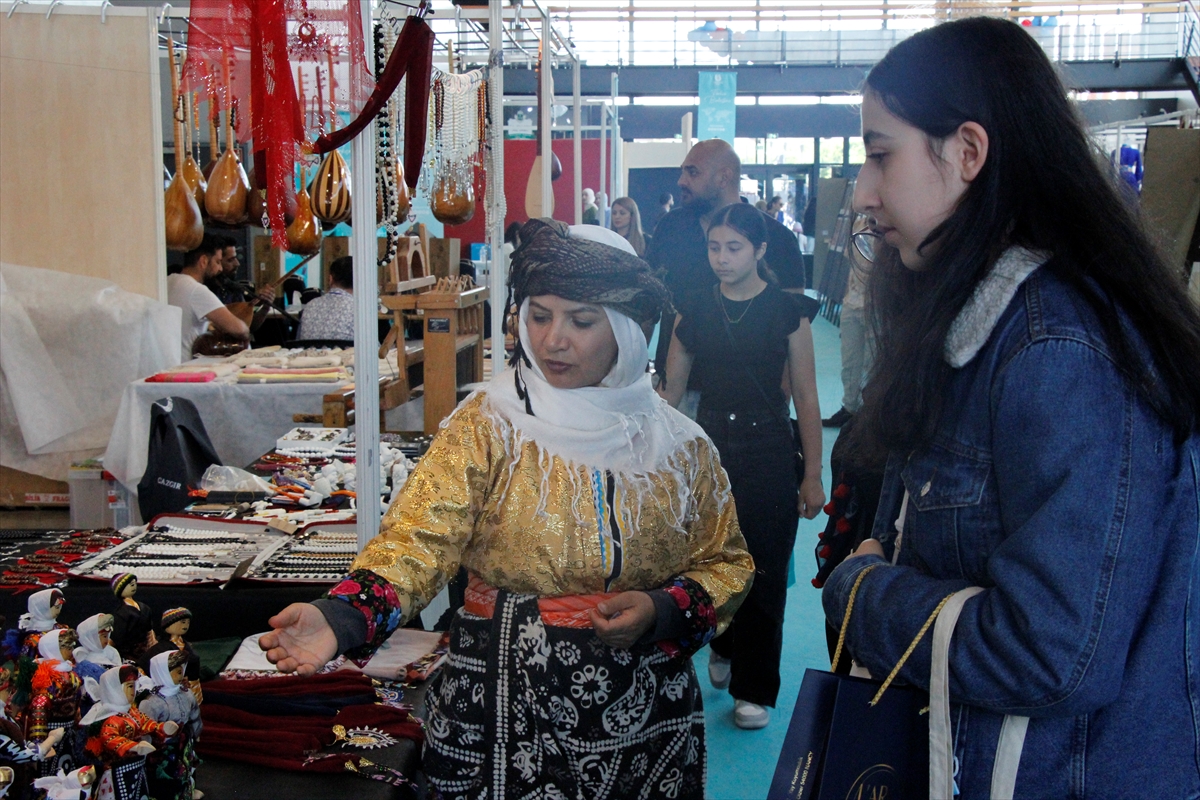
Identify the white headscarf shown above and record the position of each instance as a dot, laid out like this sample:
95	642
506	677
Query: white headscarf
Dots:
109	694
89	644
39	617
50	650
621	425
160	673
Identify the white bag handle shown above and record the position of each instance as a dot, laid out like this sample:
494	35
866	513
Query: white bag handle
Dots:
941	743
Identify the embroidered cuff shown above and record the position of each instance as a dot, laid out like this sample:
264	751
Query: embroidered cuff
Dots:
376	600
695	617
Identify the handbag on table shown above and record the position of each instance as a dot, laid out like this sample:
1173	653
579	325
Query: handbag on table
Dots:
854	738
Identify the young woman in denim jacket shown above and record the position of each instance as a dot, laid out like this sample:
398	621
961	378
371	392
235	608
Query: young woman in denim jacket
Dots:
1037	391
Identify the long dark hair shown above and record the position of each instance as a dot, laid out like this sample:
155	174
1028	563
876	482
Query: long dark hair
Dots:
750	223
1042	187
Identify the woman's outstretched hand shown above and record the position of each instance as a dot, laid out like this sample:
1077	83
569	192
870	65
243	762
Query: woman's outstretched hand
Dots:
300	641
622	620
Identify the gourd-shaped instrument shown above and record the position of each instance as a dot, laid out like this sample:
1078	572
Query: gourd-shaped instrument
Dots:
331	186
184	227
228	186
256	203
304	233
403	199
453	200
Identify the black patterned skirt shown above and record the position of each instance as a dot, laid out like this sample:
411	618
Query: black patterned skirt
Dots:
527	710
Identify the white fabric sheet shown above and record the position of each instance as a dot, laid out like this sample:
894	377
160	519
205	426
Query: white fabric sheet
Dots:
70	345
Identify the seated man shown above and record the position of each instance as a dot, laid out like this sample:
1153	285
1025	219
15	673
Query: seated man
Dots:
228	289
200	306
331	316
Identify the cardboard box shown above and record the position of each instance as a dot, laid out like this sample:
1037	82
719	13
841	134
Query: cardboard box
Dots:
21	489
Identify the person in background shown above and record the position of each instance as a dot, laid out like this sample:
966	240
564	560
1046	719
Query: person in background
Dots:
858	340
1036	393
229	289
591	214
512	238
760	204
331	316
201	307
628	222
775	209
708	179
742	337
666	201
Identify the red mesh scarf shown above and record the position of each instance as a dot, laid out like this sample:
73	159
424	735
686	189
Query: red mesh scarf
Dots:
252	47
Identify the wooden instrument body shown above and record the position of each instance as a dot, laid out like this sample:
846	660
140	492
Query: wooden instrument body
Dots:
330	189
184	226
304	233
195	179
228	189
453	202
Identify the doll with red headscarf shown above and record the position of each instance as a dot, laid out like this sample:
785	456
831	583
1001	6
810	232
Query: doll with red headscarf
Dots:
54	697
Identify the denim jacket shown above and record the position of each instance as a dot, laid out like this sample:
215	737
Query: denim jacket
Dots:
1051	484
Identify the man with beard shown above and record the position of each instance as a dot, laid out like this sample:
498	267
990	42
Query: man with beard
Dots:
708	180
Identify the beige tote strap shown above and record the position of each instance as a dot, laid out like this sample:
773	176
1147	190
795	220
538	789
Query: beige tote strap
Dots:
941	743
1008	757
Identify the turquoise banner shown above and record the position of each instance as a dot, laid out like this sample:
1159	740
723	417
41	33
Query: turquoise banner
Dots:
718	113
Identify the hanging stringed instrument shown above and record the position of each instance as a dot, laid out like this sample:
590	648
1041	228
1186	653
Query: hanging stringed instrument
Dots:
453	200
304	233
228	186
214	142
331	185
533	187
184	227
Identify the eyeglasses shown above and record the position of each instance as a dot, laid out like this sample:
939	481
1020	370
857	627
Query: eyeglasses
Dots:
867	242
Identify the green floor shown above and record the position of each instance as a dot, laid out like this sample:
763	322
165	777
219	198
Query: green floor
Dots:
741	763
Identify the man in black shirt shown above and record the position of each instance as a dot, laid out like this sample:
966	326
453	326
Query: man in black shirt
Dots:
708	180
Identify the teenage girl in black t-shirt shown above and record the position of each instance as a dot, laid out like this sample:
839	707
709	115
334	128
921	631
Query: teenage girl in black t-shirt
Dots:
742	339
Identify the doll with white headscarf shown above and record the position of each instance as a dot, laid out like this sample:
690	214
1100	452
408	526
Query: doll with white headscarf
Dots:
41	616
118	735
55	697
172	767
95	653
601	540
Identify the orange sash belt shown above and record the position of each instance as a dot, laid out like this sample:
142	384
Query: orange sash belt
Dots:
569	611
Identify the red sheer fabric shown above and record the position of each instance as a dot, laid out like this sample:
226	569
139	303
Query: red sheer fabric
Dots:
251	53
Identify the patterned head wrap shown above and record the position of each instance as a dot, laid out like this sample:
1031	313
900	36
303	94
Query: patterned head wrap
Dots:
551	260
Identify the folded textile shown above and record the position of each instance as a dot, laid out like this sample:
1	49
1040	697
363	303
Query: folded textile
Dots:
257	370
324	377
315	361
332	683
183	376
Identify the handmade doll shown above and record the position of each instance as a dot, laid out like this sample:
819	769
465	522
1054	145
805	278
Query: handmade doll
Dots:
44	608
171	769
133	631
16	753
95	652
75	786
174	625
116	735
55	695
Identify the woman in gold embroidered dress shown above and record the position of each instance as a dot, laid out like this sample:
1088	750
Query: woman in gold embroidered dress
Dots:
602	542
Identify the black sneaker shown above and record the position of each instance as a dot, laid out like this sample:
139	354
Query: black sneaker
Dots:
838	420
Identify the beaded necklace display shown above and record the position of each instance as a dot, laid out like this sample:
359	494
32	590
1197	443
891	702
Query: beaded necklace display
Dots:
458	126
385	143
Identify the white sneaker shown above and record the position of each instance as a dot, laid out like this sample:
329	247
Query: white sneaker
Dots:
750	716
718	670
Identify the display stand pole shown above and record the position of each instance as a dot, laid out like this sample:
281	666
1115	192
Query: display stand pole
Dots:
577	143
365	250
497	281
617	182
547	104
603	146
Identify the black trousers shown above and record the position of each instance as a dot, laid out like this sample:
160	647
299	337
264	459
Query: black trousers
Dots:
756	450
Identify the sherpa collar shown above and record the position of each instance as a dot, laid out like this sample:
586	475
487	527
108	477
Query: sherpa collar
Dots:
974	323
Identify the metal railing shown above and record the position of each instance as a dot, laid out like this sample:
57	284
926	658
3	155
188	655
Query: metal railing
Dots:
650	33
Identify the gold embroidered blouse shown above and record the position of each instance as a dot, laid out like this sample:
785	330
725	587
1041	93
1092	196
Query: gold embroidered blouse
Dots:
467	504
